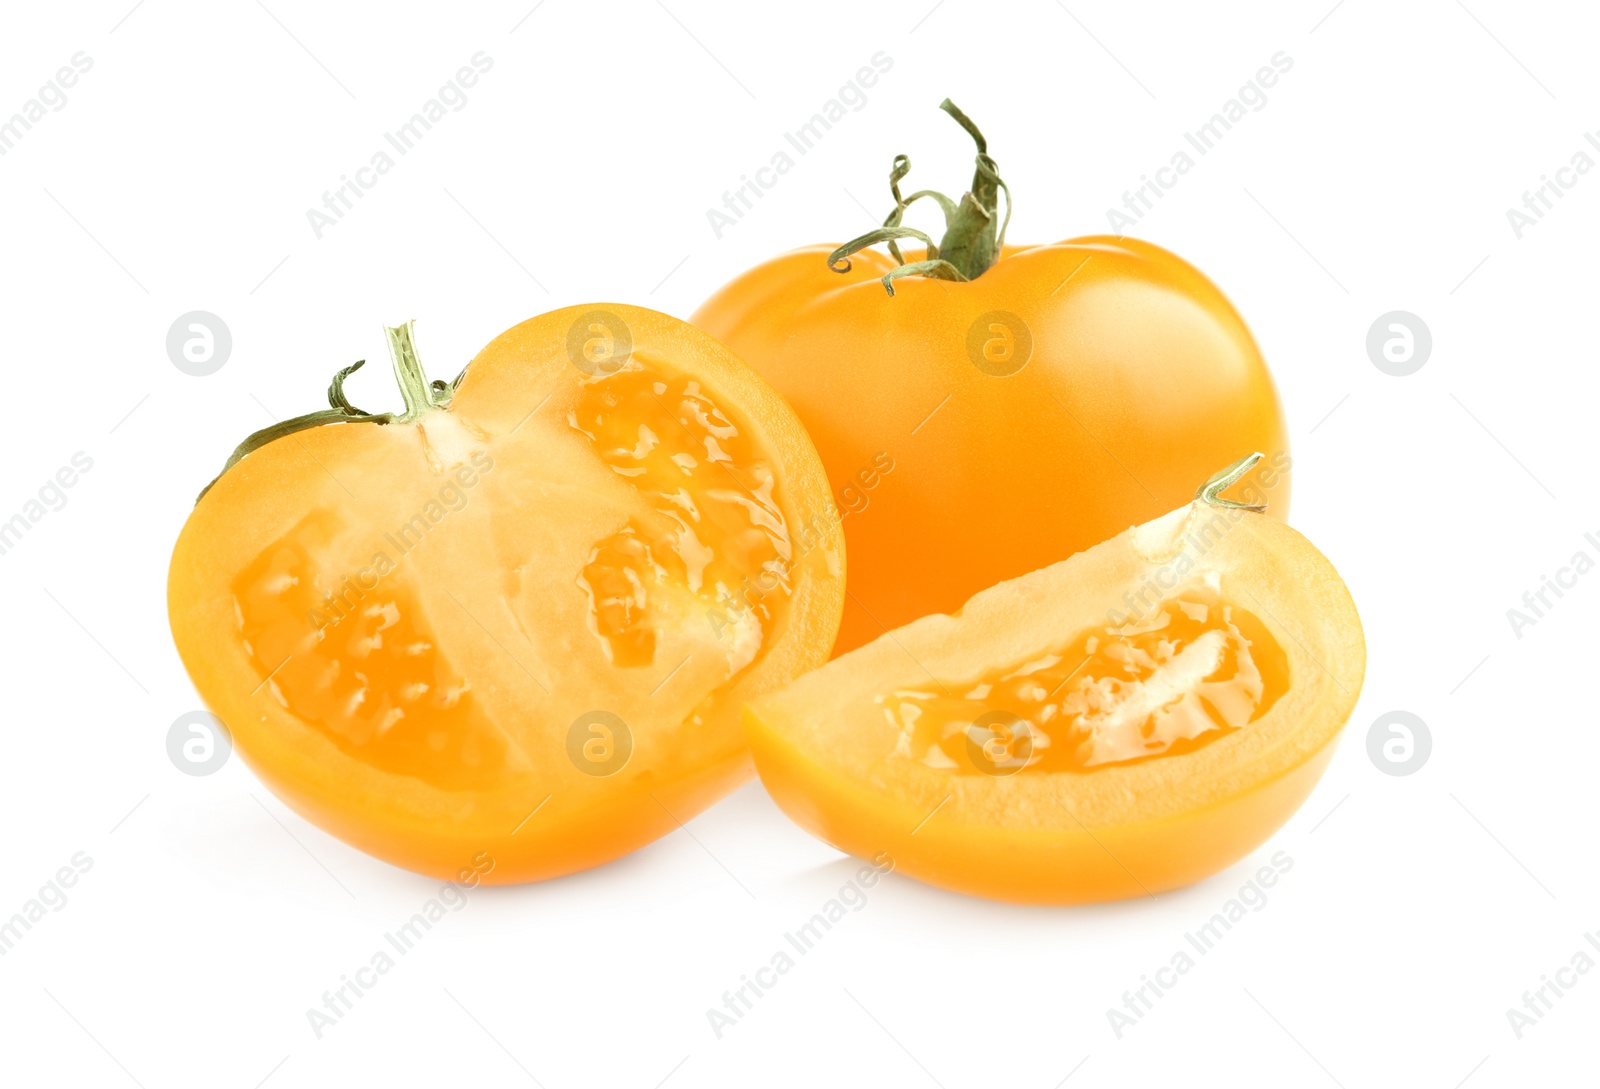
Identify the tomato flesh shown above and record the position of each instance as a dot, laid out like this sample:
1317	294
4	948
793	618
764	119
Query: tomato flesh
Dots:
520	625
1195	669
356	665
1074	735
669	439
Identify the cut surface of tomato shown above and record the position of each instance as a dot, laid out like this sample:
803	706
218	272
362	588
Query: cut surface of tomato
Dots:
1124	722
1194	668
520	619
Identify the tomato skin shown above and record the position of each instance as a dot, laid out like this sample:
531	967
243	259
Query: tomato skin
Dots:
1141	379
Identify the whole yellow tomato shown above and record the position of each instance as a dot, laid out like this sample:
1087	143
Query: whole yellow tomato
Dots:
987	410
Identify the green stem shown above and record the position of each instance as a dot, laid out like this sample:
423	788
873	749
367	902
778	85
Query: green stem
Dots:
1210	492
972	241
838	260
336	396
421	397
414	387
973	232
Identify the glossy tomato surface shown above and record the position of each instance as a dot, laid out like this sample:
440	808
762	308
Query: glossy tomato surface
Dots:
975	431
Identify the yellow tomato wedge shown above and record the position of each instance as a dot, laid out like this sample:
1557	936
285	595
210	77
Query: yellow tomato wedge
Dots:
510	629
1124	722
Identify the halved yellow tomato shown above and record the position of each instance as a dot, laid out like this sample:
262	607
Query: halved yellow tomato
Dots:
517	621
1121	723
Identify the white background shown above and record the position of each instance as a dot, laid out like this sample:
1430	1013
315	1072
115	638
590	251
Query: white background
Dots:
1377	177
